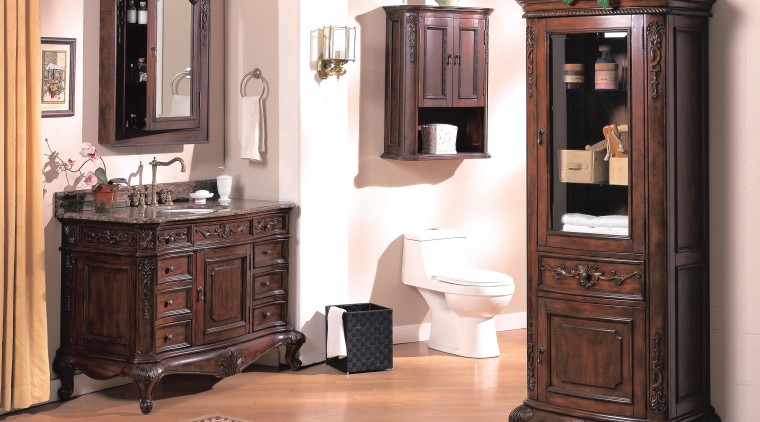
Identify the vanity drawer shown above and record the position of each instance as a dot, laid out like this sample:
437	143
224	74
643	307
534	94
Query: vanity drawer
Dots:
174	237
230	230
270	253
268	315
268	225
176	267
175	302
613	279
173	336
269	283
108	238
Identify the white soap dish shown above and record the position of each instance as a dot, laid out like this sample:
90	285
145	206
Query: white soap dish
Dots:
200	196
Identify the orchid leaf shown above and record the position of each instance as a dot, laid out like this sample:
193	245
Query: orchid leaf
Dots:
100	173
604	3
567	1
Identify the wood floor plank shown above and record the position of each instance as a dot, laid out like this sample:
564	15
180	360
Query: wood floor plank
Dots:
425	385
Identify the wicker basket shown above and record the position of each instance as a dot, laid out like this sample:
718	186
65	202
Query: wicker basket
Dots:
439	139
369	338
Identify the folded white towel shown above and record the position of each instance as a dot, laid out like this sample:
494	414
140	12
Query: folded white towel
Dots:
253	133
614	231
576	219
336	338
180	105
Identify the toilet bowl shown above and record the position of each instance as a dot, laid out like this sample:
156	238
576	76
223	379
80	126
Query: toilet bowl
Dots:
463	298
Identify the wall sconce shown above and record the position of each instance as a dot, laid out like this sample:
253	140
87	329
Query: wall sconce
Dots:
337	49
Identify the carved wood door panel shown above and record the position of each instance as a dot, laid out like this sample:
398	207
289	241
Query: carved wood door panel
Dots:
469	63
589	357
222	293
437	46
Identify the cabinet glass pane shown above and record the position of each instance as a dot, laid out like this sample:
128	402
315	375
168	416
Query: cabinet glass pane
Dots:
590	113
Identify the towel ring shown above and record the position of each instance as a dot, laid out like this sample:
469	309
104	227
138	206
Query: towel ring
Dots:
186	74
255	74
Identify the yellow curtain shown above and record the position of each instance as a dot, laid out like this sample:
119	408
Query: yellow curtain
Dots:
24	366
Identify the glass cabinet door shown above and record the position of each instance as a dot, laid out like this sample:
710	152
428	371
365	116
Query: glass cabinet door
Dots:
590	151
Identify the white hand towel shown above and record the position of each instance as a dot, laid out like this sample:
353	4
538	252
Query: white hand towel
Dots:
336	338
576	219
180	105
253	120
613	231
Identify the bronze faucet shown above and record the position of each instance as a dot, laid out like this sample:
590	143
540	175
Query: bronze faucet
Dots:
154	164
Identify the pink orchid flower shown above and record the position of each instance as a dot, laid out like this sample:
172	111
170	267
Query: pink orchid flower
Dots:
88	150
90	179
70	163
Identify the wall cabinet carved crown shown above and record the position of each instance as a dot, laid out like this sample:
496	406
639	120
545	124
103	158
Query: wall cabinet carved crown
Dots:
199	296
154	79
436	72
618	252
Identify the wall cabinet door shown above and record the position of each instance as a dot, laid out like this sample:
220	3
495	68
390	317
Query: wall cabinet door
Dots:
222	293
452	62
589	357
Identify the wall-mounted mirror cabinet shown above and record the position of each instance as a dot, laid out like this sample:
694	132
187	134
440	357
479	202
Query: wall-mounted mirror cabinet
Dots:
154	81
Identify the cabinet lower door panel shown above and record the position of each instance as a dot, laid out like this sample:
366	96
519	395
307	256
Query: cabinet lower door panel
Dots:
222	297
590	359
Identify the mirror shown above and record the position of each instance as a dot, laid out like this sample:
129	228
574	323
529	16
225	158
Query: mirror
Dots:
174	56
154	80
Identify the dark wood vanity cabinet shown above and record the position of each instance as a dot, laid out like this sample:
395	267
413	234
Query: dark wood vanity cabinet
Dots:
436	71
618	259
203	296
154	76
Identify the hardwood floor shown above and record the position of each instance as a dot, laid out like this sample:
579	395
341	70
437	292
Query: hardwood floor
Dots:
424	385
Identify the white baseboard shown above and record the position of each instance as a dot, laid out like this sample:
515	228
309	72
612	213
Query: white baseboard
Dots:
421	332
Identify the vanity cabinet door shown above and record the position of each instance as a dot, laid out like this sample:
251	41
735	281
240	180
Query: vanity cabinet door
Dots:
591	356
222	293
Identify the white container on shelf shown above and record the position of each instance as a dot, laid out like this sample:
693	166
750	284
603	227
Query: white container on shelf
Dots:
438	138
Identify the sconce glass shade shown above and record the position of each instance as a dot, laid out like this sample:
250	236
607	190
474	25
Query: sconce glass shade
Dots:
338	47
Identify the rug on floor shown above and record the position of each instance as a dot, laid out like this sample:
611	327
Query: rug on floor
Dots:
218	418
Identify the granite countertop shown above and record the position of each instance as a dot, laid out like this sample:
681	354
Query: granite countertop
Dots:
172	213
79	205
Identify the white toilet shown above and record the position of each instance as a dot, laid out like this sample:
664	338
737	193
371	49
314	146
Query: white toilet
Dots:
463	299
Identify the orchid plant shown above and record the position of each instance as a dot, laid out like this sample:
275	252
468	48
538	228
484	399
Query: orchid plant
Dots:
604	3
90	154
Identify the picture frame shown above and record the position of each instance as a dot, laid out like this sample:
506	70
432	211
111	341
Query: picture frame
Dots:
58	76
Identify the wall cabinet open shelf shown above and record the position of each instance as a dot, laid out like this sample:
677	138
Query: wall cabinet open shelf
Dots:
436	71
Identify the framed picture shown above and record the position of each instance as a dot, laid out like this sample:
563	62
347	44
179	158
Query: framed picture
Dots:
58	74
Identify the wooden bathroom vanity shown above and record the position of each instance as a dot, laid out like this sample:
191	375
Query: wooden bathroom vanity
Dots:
152	291
618	325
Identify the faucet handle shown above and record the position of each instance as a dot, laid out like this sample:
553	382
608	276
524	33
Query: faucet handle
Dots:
168	197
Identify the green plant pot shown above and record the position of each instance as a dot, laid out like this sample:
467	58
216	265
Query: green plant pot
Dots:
447	2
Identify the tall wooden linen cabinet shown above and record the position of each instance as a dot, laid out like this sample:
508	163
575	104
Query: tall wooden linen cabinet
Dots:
618	251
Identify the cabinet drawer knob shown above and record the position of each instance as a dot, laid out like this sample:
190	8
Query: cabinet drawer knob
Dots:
168	337
201	294
540	136
266	283
168	303
268	253
541	351
169	269
267	315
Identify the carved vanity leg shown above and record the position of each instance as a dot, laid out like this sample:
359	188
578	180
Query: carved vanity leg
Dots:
294	343
521	413
63	366
145	378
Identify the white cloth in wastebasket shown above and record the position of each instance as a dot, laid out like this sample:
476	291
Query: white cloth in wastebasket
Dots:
336	338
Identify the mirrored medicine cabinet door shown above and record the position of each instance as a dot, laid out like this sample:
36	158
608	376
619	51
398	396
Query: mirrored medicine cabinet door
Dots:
154	72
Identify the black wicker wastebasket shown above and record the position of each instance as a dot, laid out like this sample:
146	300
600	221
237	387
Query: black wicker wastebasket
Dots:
368	330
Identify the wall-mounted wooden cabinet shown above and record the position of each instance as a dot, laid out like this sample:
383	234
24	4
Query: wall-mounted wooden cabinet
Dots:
154	79
618	252
436	71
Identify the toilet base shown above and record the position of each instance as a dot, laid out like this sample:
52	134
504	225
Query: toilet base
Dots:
464	336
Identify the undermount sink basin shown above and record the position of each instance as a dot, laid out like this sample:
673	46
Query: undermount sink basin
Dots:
189	210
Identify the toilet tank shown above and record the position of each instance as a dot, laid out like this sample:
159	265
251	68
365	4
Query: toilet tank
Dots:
432	251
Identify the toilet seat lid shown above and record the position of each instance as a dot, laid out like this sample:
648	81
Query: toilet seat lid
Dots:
474	277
